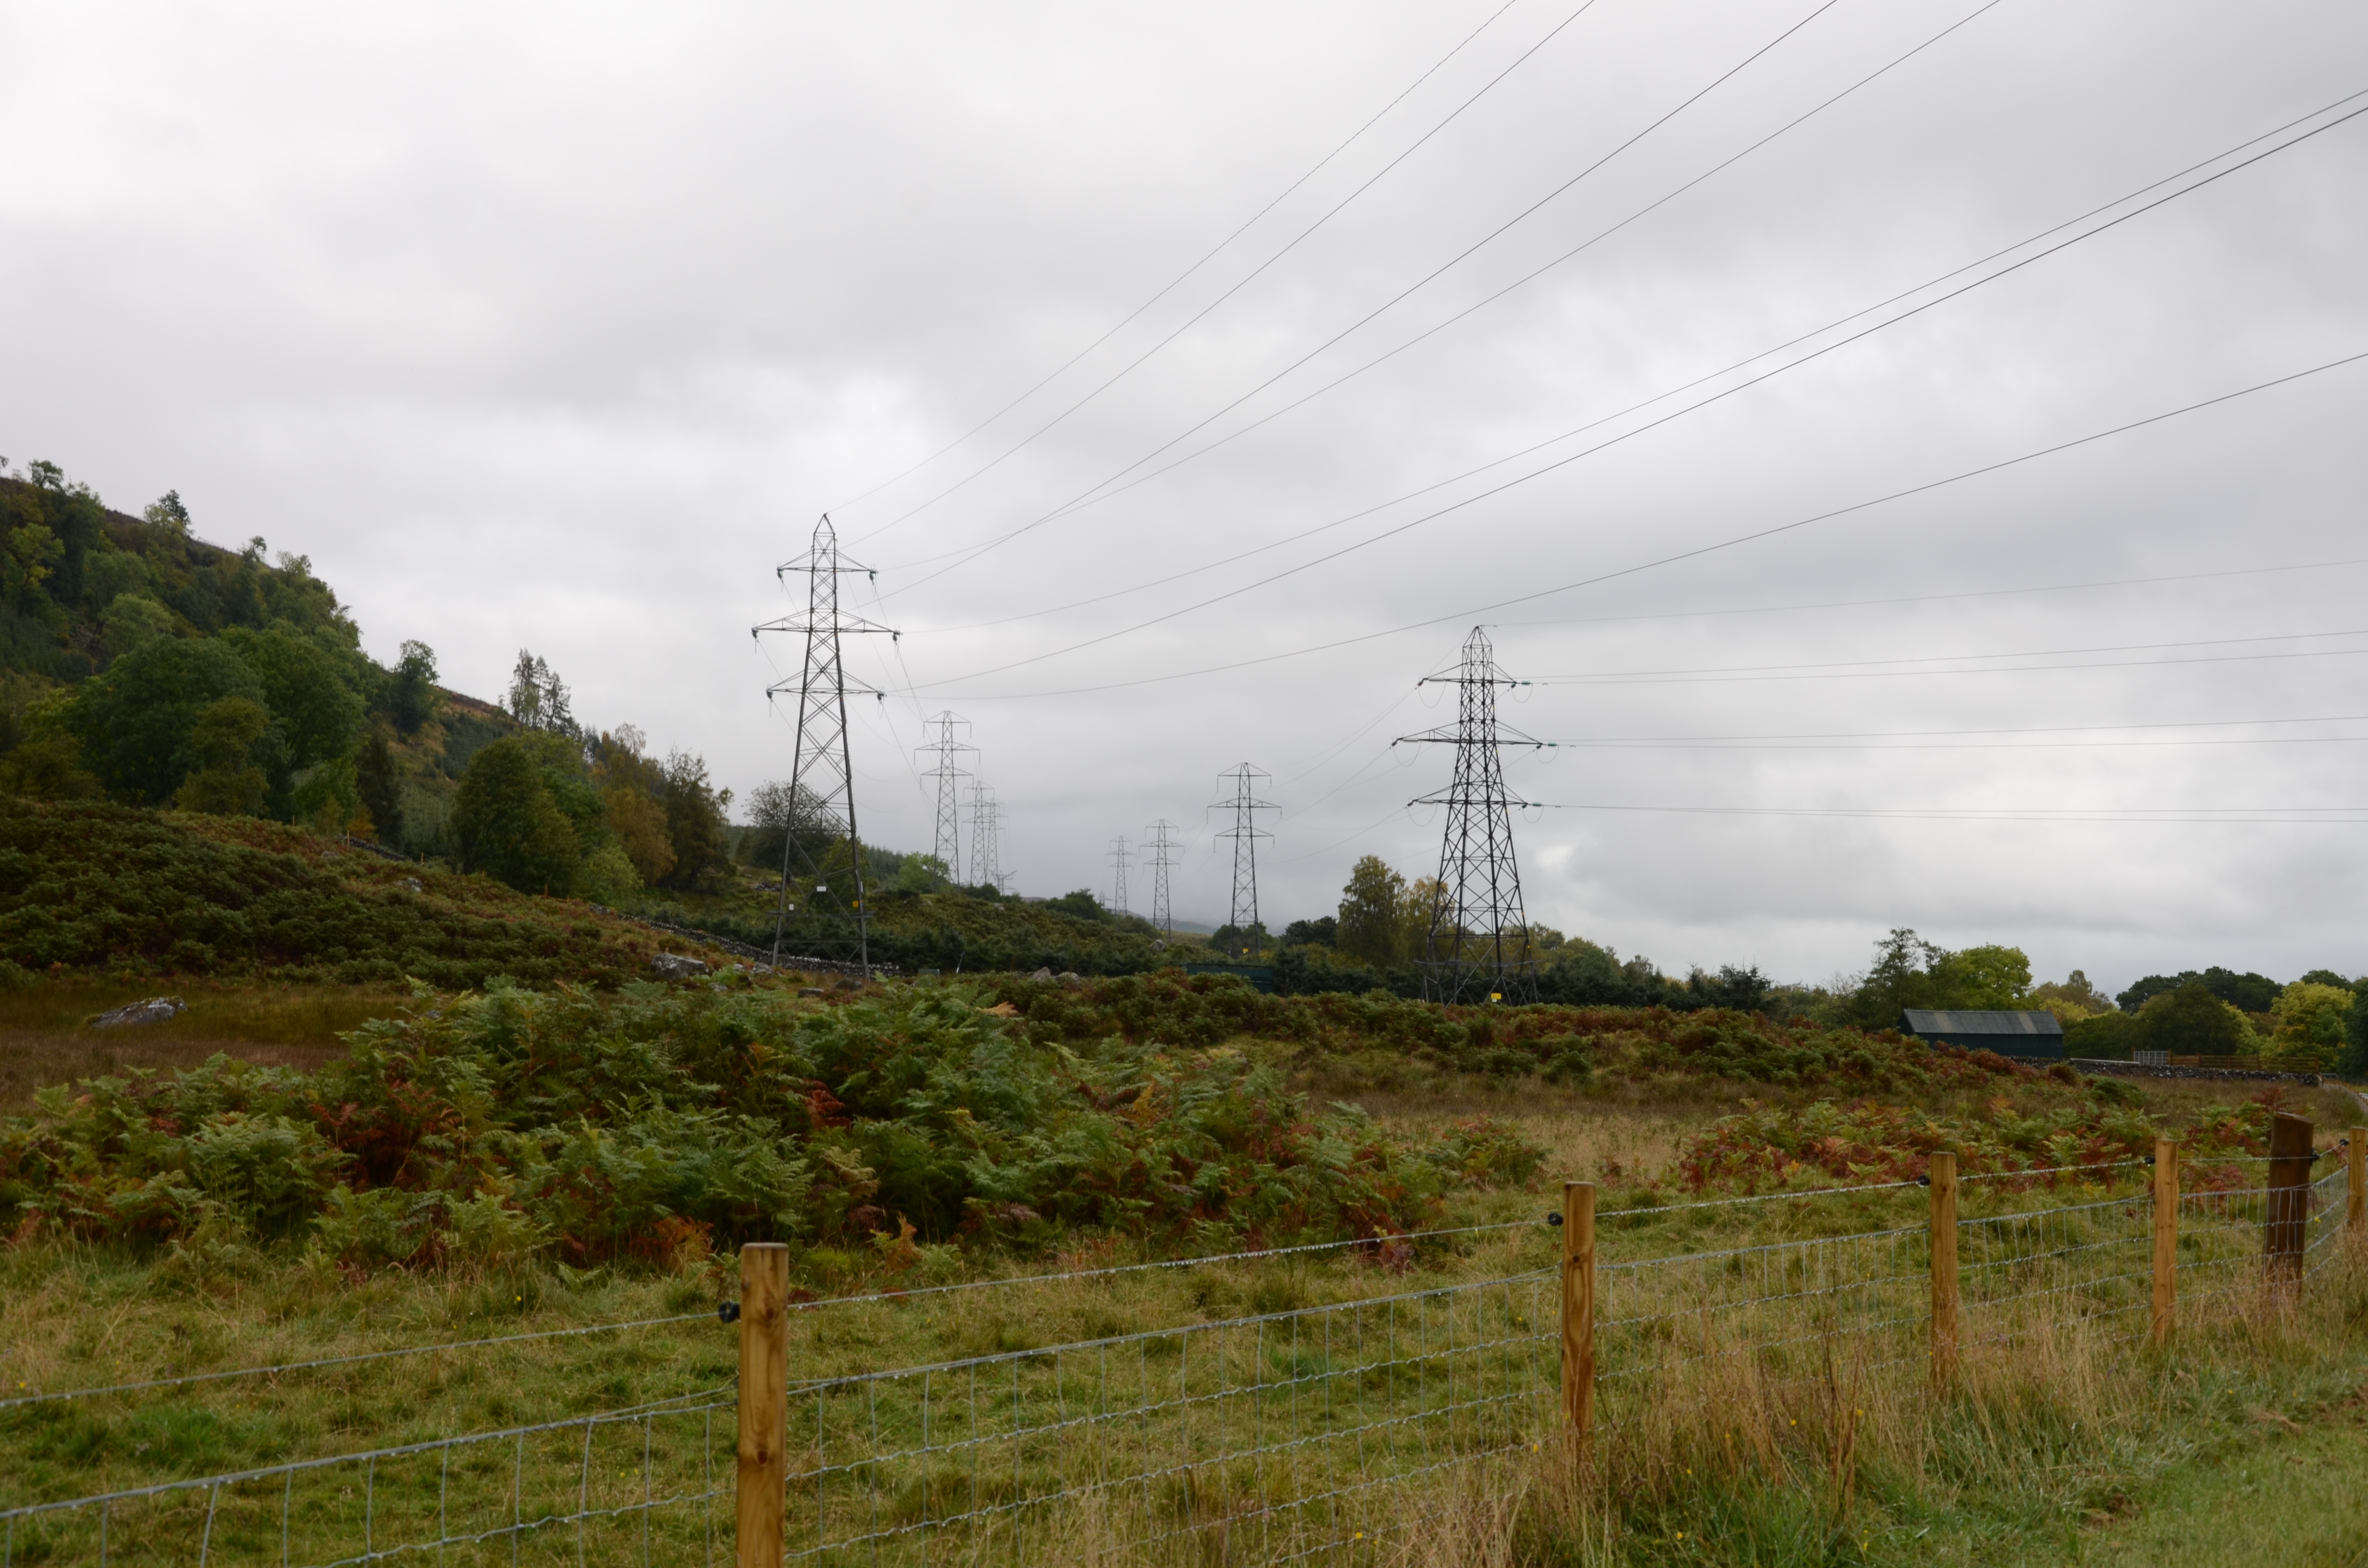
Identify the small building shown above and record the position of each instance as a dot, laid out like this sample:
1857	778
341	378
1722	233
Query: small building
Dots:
2023	1035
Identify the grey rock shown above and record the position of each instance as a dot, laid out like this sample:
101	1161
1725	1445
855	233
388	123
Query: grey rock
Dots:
155	1010
1070	977
413	884
1041	974
674	966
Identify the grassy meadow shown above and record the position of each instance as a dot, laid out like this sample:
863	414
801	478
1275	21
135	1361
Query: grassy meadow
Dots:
2064	1445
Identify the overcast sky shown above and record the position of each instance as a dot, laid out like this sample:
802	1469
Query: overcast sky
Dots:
559	326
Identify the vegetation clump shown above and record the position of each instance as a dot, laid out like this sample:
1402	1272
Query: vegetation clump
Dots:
85	886
664	1119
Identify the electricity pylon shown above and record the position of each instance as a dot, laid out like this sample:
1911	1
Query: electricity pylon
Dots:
1245	833
949	790
1479	947
985	816
1120	859
1155	839
822	774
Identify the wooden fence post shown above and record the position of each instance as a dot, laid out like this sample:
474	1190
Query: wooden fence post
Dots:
2290	1159
764	1470
1579	1310
1944	1270
2355	1213
2165	1237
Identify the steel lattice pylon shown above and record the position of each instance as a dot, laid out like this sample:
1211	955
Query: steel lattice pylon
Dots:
1478	946
1245	833
986	855
1155	839
822	773
946	748
1121	858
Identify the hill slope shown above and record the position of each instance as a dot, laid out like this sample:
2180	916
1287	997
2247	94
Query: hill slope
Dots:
85	886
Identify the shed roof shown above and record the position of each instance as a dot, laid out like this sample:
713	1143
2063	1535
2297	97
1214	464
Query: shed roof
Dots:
1933	1021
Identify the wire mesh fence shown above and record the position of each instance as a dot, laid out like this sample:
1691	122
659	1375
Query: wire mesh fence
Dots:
636	1487
1312	1431
1259	1437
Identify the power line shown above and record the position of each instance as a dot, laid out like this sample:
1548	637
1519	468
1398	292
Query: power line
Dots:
1245	833
2187	815
1658	397
1119	859
1319	166
822	768
1917	739
1739	539
1162	848
1846	667
1477	948
945	748
1419	284
1245	282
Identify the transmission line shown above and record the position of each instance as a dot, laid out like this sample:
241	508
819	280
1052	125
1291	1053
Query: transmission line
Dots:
946	749
822	772
1245	833
1162	849
1658	397
985	819
1477	948
1752	538
1089	497
1319	166
1120	859
1246	278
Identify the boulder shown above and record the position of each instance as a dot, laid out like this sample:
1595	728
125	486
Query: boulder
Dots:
155	1010
674	966
1041	974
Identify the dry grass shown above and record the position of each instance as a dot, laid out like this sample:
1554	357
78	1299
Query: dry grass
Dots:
46	1038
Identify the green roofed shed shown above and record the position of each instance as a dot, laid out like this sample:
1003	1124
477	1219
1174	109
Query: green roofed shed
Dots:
2036	1034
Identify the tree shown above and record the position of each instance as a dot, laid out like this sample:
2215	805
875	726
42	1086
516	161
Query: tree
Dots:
1079	905
381	786
640	824
1989	978
538	698
135	720
2248	992
1323	932
166	512
2355	1060
1899	977
411	688
508	820
223	740
776	811
1372	923
2311	1019
697	826
2071	998
2190	1021
130	620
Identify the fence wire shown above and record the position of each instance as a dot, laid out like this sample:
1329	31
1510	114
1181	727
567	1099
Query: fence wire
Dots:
634	1486
1308	1432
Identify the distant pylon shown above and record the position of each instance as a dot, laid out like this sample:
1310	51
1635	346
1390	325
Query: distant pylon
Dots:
985	817
1245	833
1155	839
1120	859
822	774
1478	946
946	749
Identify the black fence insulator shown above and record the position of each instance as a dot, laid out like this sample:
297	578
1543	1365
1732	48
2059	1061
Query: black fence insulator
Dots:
1553	1219
727	1311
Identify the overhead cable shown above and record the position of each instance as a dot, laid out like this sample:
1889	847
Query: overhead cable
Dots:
1247	224
1812	355
1757	535
1640	406
1086	495
1243	282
